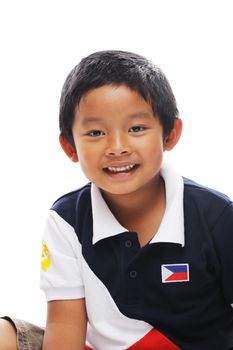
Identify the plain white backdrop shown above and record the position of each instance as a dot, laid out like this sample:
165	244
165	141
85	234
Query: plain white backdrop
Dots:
40	43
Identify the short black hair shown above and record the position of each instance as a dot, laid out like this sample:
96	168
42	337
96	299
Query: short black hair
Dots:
114	67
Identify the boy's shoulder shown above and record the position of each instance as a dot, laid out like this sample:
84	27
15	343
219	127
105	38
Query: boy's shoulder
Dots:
203	192
73	195
206	200
66	205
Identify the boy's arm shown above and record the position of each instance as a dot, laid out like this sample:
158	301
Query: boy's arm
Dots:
66	325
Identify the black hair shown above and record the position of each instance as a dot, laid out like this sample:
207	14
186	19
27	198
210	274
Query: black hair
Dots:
117	68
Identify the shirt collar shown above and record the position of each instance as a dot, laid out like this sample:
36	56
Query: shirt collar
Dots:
104	222
171	229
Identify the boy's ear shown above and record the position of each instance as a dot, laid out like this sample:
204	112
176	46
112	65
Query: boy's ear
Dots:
174	136
68	148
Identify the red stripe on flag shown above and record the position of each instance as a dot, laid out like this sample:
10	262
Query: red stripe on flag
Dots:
154	340
178	276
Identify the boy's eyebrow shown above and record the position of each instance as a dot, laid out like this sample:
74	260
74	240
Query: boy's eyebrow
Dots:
140	114
92	119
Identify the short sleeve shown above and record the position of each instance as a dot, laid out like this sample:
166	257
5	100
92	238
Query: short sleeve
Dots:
61	275
223	236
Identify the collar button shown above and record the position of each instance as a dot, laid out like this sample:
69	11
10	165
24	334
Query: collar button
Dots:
128	244
133	274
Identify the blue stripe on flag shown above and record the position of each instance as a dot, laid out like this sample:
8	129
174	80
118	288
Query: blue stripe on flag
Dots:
177	268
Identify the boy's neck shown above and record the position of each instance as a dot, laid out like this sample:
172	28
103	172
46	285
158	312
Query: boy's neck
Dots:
142	211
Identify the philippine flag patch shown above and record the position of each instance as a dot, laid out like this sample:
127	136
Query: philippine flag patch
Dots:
175	273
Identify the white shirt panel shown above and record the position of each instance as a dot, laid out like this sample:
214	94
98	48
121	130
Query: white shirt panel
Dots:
63	278
108	328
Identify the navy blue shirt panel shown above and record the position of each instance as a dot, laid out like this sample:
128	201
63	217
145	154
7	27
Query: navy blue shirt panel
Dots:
195	314
75	208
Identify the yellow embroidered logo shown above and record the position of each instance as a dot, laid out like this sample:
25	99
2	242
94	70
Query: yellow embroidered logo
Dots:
45	257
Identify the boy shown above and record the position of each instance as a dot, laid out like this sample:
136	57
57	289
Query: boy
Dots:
139	258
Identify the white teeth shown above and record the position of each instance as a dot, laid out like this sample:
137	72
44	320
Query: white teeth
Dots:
120	169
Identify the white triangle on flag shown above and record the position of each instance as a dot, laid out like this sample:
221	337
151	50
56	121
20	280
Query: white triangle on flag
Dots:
165	273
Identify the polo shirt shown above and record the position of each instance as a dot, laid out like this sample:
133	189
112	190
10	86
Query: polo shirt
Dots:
173	293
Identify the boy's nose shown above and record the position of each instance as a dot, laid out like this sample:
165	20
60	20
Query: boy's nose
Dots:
117	145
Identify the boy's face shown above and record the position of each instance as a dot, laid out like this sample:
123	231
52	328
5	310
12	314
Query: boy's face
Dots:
119	141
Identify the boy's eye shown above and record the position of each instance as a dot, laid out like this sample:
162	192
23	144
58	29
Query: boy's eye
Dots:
136	128
95	133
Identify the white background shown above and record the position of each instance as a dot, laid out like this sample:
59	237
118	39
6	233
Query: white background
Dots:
40	43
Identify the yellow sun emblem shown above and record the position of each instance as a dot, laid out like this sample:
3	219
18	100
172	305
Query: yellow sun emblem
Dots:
45	257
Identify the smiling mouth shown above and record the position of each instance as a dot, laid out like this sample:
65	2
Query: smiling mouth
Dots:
120	169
